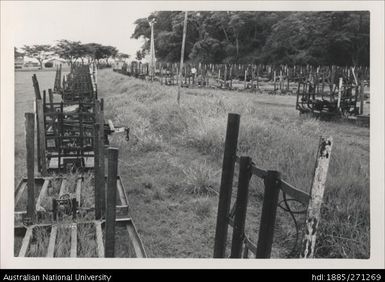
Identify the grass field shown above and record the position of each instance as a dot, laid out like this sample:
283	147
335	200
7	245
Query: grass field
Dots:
24	102
171	165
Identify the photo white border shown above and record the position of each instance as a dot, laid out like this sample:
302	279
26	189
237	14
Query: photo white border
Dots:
376	260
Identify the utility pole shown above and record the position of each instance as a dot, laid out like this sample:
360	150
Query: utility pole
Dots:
152	50
182	56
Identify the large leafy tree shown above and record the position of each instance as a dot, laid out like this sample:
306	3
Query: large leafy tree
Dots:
18	54
70	50
260	37
39	52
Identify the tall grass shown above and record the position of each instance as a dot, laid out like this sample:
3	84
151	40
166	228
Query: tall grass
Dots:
271	133
39	242
87	245
63	242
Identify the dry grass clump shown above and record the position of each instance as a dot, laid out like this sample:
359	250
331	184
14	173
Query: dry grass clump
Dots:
200	179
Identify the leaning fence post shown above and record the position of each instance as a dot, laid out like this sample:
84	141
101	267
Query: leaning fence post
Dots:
101	151
99	174
41	134
111	201
269	210
30	135
229	157
241	207
316	198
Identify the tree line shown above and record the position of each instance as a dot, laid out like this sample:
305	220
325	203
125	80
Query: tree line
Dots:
71	51
260	37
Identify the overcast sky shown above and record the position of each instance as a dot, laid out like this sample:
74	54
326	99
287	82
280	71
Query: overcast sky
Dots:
105	22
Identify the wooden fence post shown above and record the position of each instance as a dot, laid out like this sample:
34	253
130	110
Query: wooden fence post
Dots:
241	207
100	190
339	93
316	198
41	134
229	157
30	144
362	97
111	202
99	177
245	80
269	210
50	97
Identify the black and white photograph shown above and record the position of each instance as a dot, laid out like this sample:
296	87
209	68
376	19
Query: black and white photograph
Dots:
200	130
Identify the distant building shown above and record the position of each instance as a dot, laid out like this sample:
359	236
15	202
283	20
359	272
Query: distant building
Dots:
56	62
19	62
31	65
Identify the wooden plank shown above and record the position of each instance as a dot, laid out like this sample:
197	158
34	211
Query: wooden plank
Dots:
122	194
62	188
19	191
26	240
254	170
134	237
30	144
74	240
317	191
295	193
250	245
99	239
42	194
52	241
111	201
78	190
258	172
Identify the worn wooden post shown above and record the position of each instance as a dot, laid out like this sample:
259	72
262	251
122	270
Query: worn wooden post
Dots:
50	97
229	157
111	201
252	77
38	155
100	190
182	54
99	177
41	134
256	77
30	144
316	198
54	209
245	80
241	207
362	97
74	208
339	94
269	210
44	98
